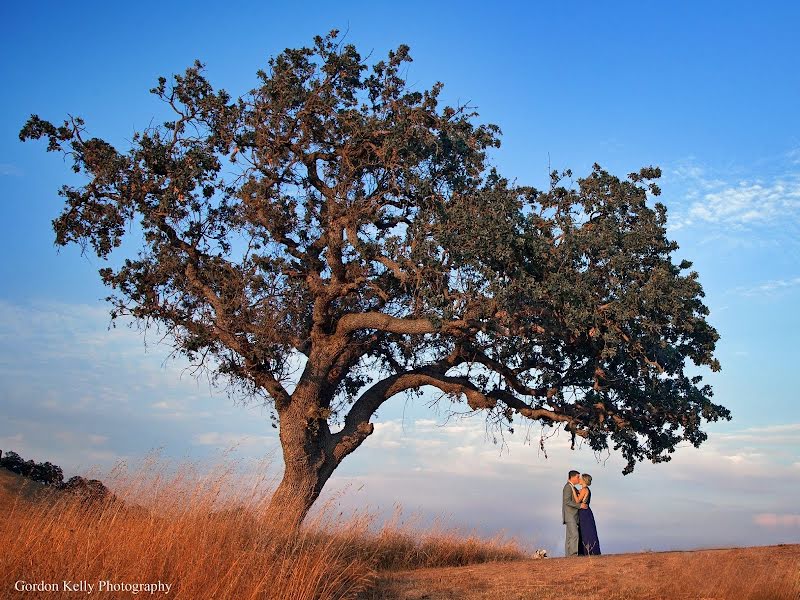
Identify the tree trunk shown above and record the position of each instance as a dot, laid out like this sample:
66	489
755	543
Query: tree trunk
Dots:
296	493
308	462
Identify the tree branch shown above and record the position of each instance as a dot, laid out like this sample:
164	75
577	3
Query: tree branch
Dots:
473	354
221	332
383	322
357	426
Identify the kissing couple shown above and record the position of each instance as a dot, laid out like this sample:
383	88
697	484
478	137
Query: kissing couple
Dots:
578	517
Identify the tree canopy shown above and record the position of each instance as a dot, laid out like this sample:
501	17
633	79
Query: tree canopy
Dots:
335	237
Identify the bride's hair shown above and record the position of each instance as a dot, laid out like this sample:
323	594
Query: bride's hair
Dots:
587	479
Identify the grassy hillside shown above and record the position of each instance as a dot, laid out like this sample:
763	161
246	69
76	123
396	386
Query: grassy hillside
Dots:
16	488
209	537
758	573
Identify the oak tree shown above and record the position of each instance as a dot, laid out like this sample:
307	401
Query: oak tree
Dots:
334	238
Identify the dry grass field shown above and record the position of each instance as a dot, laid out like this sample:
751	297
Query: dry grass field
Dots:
766	573
209	537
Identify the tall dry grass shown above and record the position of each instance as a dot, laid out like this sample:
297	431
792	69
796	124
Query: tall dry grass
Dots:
210	536
755	573
402	544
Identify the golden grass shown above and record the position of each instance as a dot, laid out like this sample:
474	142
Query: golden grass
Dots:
755	573
210	536
401	545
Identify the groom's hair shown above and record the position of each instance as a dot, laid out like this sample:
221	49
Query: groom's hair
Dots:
572	474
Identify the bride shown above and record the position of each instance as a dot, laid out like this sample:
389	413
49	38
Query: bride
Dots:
589	543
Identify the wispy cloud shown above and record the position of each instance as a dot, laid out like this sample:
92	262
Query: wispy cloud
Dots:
748	203
769	287
235	440
76	438
102	396
733	201
10	170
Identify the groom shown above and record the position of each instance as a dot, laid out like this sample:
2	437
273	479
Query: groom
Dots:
569	514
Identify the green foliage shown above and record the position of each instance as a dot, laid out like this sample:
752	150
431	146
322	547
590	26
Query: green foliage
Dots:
334	214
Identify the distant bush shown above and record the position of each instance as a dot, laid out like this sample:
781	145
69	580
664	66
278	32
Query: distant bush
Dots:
46	472
14	462
50	474
87	489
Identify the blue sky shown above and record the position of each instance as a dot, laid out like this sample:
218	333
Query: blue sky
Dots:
707	91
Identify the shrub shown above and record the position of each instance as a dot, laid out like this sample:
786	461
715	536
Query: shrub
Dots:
46	472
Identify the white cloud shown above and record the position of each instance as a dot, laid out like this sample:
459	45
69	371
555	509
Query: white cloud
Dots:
463	448
690	170
748	203
104	457
76	438
178	410
769	287
234	440
740	460
710	200
770	429
743	457
773	436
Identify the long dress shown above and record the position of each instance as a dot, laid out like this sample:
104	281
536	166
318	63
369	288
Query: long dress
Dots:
589	542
